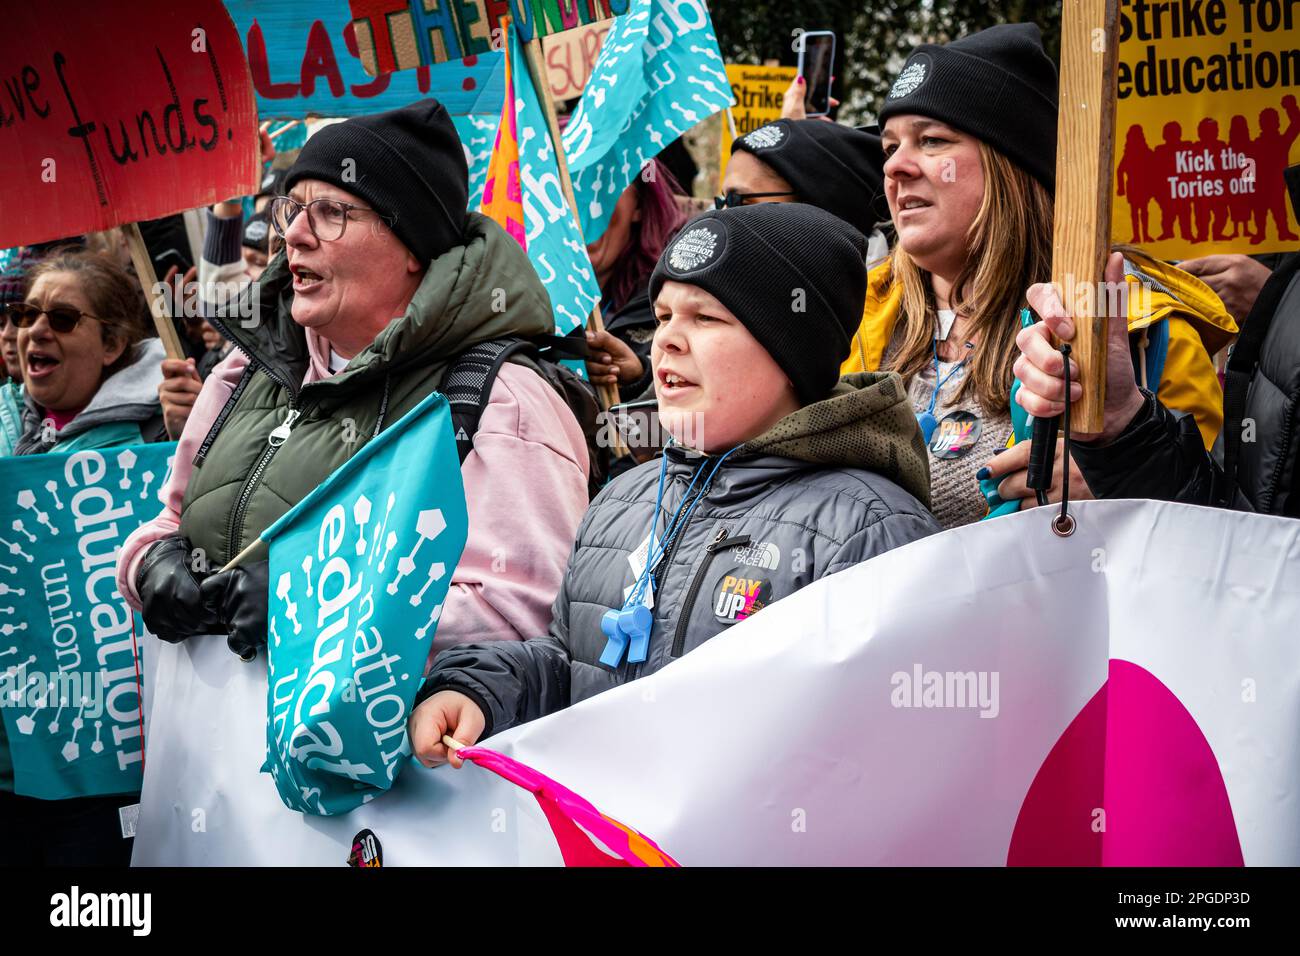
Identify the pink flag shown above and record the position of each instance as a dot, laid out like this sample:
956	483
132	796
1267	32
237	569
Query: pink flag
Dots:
503	199
586	836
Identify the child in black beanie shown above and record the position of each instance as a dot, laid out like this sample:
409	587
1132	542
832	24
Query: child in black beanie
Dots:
779	475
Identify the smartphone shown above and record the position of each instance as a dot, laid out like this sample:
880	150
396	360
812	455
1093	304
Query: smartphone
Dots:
816	64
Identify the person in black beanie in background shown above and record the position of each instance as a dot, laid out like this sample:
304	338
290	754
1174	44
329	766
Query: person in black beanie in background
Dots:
774	458
837	168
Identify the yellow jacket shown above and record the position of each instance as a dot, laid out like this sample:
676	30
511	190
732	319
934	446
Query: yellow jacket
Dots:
1199	326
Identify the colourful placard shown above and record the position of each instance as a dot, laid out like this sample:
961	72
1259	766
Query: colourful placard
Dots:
304	60
120	111
398	34
1206	123
759	93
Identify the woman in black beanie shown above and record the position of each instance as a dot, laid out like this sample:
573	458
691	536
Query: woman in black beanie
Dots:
385	280
969	136
779	475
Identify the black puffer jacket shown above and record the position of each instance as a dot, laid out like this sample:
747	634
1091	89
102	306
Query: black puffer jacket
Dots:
1160	454
829	486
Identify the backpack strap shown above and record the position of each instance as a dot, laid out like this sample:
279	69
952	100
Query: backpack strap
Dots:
468	385
570	346
1149	349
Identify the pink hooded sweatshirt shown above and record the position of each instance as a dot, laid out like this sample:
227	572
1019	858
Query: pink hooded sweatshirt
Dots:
525	490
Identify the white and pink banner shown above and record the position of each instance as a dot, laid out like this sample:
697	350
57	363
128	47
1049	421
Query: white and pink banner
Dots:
994	694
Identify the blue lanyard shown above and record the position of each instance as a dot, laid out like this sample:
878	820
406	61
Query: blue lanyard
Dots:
632	625
926	419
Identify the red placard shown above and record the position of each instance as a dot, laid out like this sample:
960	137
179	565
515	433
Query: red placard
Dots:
117	111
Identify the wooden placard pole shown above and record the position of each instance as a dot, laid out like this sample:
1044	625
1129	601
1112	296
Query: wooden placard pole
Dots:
282	130
249	550
148	281
1085	164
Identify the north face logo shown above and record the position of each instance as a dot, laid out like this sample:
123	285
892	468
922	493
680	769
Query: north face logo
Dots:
764	554
908	80
765	137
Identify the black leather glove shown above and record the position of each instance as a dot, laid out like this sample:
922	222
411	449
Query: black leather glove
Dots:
239	597
168	587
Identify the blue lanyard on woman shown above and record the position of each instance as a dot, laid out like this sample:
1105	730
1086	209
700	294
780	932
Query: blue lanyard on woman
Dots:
926	419
629	629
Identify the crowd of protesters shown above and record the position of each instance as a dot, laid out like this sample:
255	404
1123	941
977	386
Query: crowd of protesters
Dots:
842	351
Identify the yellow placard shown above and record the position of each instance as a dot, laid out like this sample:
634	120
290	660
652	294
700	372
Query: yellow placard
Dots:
1206	123
759	92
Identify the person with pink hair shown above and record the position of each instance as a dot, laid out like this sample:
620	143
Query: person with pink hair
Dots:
646	218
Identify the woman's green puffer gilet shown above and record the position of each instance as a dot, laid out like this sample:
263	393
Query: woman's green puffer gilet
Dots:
482	290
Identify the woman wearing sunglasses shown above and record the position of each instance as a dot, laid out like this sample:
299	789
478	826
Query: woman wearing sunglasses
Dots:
837	168
89	366
91	377
13	289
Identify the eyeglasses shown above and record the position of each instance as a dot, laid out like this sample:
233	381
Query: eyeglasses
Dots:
63	318
732	199
327	218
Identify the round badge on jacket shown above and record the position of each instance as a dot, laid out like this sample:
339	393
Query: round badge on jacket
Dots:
955	435
740	593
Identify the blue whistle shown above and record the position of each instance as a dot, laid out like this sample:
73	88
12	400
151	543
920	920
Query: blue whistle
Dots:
616	642
636	622
631	624
928	423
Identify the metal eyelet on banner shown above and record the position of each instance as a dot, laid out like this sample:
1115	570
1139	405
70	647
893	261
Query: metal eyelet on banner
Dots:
1063	524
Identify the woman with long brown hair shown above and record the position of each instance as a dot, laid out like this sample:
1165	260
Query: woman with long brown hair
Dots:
969	135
